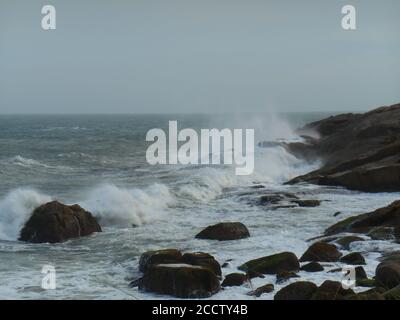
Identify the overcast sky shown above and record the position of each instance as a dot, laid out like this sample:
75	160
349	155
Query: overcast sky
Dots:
169	56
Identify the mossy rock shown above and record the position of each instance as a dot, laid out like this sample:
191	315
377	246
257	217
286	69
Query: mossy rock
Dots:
284	261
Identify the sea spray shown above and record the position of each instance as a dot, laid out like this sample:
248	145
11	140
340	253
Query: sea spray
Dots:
15	210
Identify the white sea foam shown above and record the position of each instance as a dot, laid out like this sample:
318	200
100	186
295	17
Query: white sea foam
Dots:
125	207
16	208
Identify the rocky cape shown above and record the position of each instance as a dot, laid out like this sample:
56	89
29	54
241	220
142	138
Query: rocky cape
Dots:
358	151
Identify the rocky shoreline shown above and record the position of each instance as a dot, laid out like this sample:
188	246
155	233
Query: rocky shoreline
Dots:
359	152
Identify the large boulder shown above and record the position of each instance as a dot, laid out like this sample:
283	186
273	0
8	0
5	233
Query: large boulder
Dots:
387	274
164	256
312	267
359	151
354	258
301	290
202	259
224	231
383	217
56	222
321	251
180	280
284	261
174	256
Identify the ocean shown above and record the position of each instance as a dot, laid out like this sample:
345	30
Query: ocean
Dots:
98	162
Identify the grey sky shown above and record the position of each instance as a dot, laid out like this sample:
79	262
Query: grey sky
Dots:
198	56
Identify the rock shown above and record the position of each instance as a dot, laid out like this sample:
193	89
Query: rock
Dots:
284	276
268	288
365	296
56	222
321	251
270	199
360	273
301	290
392	294
387	274
204	260
337	214
346	241
225	231
312	267
225	265
331	290
383	217
382	233
366	150
285	261
367	283
180	280
252	274
307	203
164	256
234	279
354	258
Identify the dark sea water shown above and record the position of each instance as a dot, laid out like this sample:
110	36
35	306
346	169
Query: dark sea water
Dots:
98	161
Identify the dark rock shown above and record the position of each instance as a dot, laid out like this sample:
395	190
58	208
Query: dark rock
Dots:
387	274
234	279
383	217
202	259
164	256
366	296
331	290
360	273
346	241
225	264
382	233
354	258
253	274
225	231
301	290
392	294
337	214
366	150
312	267
284	276
307	203
270	199
268	288
321	251
180	280
368	283
285	261
56	222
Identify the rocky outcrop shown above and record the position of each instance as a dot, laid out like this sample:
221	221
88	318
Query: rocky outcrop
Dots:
321	251
387	217
224	231
359	151
285	261
180	280
56	222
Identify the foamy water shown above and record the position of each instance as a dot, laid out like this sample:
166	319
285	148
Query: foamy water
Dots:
144	208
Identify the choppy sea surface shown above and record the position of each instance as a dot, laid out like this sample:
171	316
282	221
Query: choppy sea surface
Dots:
98	161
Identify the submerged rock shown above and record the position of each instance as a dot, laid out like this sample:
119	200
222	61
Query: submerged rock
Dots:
285	261
346	241
307	203
180	280
56	222
224	231
321	251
